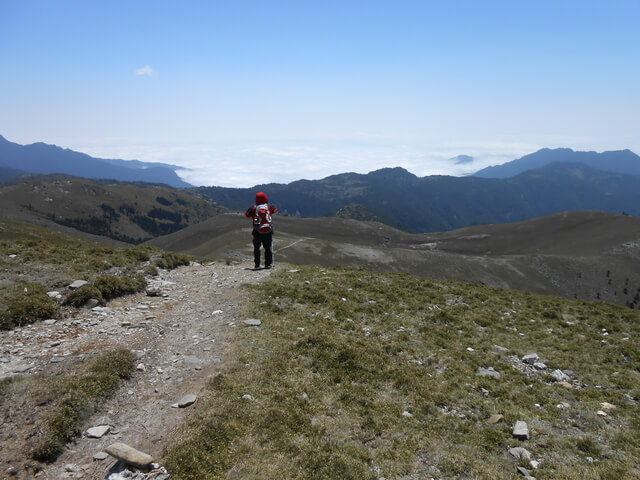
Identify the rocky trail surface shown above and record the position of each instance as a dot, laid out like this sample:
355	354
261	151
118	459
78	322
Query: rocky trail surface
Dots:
181	338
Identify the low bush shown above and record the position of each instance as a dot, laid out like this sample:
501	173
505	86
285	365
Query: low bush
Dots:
111	286
150	270
27	303
82	295
171	260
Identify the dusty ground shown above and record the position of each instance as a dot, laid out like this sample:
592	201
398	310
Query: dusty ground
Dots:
181	339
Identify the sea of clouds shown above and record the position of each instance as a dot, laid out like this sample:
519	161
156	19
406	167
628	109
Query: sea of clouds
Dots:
246	164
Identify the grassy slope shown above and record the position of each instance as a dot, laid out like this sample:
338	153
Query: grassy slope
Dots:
343	354
586	255
126	212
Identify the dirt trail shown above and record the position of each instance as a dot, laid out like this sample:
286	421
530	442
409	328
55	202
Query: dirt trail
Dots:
181	340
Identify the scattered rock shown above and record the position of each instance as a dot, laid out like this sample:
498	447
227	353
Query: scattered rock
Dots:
526	473
530	358
521	430
191	361
246	396
607	405
488	372
560	376
153	292
55	295
71	468
252	322
78	284
11	471
92	302
407	414
129	455
98	432
141	367
602	413
23	368
520	453
100	456
500	349
495	418
566	385
186	401
540	366
534	464
216	312
50	321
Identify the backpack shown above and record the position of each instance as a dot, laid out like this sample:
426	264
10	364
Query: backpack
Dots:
262	219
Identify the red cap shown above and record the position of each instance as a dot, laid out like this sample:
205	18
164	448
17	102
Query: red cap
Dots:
261	198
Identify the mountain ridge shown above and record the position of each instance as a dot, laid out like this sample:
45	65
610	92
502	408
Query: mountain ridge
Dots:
43	158
616	161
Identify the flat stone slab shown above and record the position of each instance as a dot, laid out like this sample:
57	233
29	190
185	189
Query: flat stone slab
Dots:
488	372
78	284
496	418
253	322
560	376
100	456
531	358
521	430
129	455
520	453
98	432
186	401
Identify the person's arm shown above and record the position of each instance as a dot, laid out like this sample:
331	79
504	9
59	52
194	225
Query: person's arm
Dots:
250	211
273	209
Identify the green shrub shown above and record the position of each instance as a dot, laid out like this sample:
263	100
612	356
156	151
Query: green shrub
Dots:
139	253
111	286
150	270
82	295
27	303
77	396
171	260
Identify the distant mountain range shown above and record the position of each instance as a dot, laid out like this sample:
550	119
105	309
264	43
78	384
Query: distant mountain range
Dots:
441	203
619	161
41	158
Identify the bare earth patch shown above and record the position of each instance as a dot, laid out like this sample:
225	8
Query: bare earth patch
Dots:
180	339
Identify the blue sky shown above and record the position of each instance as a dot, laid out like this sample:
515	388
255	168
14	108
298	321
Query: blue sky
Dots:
246	92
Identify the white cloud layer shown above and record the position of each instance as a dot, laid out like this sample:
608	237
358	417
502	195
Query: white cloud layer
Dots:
146	70
246	165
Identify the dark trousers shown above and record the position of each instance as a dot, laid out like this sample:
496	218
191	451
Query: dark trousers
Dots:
265	240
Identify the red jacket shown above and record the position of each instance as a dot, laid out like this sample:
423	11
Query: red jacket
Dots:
261	199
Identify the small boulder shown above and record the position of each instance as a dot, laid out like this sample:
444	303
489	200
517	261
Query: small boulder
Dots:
531	358
560	376
520	453
495	418
186	401
566	385
488	372
77	284
129	455
252	322
98	432
521	430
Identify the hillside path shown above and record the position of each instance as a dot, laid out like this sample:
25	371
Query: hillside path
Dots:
182	339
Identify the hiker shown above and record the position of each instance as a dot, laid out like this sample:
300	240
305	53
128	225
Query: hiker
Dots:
262	228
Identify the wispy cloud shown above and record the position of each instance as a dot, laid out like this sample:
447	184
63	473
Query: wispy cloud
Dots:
146	70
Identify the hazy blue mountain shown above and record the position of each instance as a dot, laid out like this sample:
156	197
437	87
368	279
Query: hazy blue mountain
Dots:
441	203
7	173
41	158
618	161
